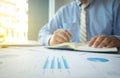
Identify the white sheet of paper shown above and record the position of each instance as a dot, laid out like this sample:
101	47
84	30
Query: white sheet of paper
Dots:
39	62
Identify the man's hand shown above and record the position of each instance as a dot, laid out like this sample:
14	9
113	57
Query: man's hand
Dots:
104	41
60	36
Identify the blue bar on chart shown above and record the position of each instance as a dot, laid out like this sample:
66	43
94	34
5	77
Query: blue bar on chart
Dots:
65	63
53	63
46	63
59	63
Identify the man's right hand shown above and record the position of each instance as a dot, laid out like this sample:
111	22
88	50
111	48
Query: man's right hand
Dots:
60	36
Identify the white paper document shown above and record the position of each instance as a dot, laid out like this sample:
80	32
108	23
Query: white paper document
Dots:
26	43
39	62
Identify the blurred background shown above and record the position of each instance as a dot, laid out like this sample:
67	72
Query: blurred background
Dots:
21	20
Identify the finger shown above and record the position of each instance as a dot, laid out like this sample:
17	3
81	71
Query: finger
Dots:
115	42
98	41
62	35
62	38
105	42
68	34
91	42
55	40
111	44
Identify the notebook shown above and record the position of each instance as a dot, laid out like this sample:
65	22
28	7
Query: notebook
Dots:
81	47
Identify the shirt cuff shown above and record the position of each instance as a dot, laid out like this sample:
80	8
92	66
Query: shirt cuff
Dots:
47	39
44	40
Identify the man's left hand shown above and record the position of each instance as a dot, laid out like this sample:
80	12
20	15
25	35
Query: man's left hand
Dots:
104	41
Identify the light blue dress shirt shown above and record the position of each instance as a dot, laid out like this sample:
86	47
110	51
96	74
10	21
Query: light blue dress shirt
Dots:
103	18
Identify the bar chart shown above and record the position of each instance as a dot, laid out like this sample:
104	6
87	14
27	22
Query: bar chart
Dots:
56	63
